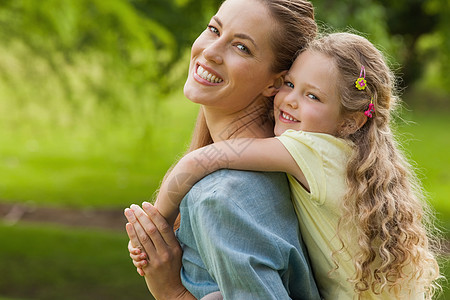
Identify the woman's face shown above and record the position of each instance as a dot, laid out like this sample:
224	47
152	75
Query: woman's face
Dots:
231	60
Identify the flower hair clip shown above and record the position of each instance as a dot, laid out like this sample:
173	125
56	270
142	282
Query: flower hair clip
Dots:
361	82
369	112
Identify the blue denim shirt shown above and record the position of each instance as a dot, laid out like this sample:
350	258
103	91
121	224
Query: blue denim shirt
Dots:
240	234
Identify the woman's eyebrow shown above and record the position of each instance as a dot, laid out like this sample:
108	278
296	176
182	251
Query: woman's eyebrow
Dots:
238	35
217	20
246	37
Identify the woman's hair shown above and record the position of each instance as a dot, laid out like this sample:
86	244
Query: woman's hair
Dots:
294	28
385	201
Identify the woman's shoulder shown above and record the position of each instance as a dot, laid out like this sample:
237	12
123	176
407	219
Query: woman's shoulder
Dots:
237	183
228	178
251	192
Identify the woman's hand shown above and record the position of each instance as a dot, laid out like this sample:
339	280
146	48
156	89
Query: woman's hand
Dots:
161	262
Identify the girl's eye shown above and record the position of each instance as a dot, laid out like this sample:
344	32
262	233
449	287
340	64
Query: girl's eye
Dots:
314	97
243	48
289	84
213	29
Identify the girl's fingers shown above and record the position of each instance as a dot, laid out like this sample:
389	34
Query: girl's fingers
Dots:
140	264
136	253
131	249
138	257
161	224
140	271
150	229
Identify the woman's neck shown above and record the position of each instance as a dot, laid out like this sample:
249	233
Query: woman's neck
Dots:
251	122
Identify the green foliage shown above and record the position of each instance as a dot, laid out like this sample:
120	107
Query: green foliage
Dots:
71	26
414	34
185	19
434	48
131	49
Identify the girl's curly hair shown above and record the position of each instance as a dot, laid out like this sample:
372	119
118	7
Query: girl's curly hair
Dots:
385	201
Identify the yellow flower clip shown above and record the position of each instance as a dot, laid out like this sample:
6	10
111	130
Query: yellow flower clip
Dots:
361	82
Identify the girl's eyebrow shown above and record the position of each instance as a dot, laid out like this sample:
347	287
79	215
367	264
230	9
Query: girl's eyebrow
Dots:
314	87
238	35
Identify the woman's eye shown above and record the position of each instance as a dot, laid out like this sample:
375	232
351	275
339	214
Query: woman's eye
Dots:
289	84
213	29
243	48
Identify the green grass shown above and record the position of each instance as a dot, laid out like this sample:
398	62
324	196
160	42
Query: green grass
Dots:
47	262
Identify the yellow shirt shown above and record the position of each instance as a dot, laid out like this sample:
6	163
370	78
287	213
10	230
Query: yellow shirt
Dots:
323	160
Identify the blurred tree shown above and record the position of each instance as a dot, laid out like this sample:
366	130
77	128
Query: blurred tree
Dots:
151	38
185	19
434	49
411	20
132	46
367	17
415	34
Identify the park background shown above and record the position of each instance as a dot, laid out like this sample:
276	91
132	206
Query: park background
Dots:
92	115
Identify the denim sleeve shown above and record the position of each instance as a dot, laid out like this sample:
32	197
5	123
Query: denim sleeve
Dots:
239	233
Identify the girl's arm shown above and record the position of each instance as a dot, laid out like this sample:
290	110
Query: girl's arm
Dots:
242	154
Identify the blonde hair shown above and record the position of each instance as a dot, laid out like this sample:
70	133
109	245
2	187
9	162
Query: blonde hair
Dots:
385	201
294	28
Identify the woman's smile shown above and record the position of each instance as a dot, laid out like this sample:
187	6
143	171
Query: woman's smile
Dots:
206	76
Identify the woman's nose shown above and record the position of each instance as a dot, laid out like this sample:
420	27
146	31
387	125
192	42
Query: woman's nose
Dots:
213	52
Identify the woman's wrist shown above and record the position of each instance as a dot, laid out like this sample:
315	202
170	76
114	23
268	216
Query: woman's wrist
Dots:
175	293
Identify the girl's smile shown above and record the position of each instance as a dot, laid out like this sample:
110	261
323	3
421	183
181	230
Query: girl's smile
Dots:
287	118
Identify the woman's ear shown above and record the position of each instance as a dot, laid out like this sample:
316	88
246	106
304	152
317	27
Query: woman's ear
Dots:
275	85
352	123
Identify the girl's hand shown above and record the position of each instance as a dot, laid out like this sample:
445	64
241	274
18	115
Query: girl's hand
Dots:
148	229
137	255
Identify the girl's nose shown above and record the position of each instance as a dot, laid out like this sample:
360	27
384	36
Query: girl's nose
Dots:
213	52
291	100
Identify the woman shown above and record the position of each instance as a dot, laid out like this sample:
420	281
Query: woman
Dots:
233	238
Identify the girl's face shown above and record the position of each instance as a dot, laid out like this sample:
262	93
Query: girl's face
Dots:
308	99
231	60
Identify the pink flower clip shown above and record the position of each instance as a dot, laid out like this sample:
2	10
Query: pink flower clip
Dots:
361	82
369	112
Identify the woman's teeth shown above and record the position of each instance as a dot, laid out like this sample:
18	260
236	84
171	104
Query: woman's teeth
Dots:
208	76
288	117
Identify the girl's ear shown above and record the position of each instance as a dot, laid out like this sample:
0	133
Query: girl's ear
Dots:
352	123
273	88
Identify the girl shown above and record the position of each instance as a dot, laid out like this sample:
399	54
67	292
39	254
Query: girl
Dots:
358	201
